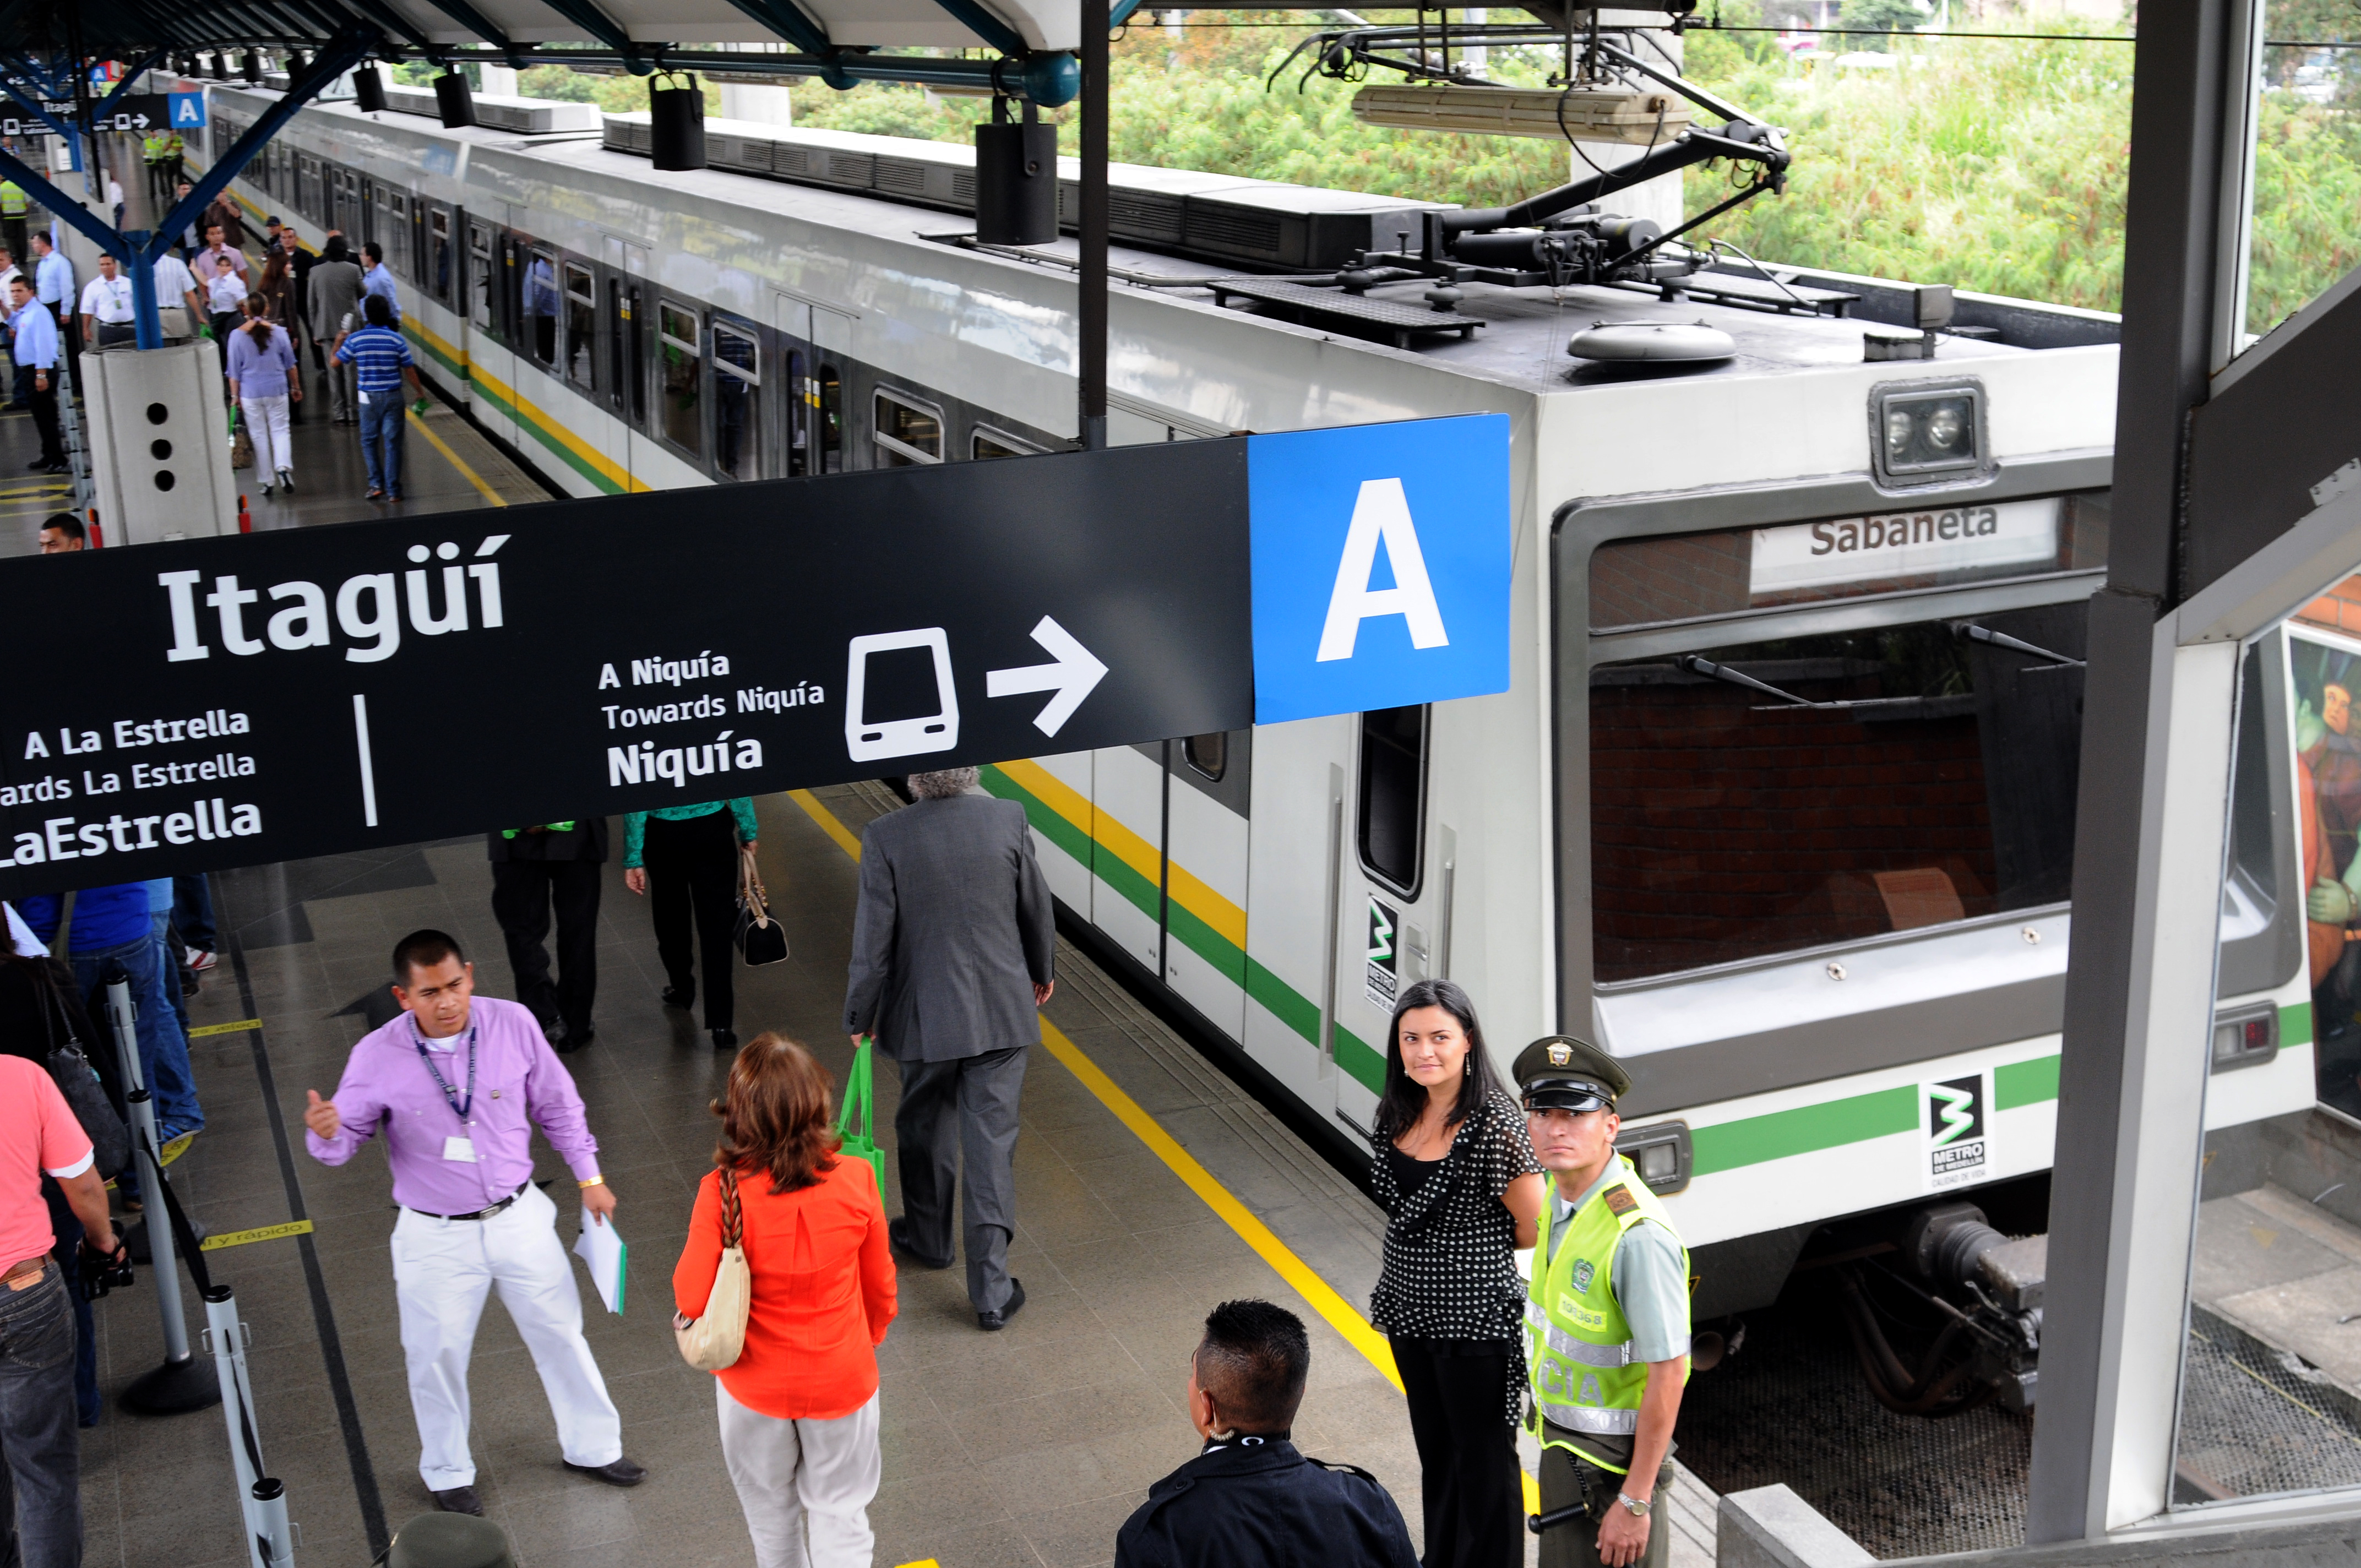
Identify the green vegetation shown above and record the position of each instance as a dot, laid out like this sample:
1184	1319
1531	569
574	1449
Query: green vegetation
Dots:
1997	165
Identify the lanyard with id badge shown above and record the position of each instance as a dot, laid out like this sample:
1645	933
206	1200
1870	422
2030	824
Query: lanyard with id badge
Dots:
461	1148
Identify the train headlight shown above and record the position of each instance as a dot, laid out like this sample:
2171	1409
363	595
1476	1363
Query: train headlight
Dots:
1661	1152
2245	1037
1927	433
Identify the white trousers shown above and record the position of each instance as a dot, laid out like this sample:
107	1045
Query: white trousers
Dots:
266	426
799	1479
442	1269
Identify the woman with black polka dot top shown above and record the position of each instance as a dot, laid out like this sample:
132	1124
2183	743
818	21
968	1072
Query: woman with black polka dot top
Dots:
1458	1180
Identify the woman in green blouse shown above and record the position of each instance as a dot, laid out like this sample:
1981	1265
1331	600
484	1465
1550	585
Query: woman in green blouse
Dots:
690	855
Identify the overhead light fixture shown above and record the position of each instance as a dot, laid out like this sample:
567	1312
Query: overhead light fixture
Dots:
1613	115
454	100
1926	433
676	120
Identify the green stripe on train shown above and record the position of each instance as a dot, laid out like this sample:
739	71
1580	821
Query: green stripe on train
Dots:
557	448
1726	1146
2025	1083
1366	1064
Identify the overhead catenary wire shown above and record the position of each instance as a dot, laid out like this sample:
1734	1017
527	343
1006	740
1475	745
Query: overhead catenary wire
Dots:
1890	33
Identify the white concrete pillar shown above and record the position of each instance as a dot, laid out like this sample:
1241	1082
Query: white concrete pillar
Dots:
499	78
763	104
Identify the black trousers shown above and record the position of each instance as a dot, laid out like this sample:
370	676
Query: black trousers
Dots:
1566	1480
693	876
44	405
523	892
1468	1477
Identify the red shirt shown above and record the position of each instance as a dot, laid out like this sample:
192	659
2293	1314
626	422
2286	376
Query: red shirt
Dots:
38	1133
823	1289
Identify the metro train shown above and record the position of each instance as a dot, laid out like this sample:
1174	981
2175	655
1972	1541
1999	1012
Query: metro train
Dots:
1780	805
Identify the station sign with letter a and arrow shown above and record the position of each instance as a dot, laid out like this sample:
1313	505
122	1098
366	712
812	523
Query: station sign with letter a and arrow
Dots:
264	697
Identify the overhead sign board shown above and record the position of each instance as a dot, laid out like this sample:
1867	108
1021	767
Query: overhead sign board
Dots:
269	697
1971	536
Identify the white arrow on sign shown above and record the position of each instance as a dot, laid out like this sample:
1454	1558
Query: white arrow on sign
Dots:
1076	672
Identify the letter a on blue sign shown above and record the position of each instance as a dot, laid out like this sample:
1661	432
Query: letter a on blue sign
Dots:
188	110
1382	556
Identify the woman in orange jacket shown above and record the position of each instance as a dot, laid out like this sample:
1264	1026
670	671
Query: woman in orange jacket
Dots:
799	1407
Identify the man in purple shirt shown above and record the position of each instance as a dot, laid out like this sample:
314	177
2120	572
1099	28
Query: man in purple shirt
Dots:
456	1085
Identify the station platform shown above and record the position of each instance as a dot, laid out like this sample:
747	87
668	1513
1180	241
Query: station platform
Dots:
1150	1187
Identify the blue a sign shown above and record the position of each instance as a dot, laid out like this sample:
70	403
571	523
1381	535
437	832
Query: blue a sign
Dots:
188	110
1381	560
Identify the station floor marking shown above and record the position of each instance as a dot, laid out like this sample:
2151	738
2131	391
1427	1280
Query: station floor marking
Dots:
259	1234
201	1030
1317	1293
491	496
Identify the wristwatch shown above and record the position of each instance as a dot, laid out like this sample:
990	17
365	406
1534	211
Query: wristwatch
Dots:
1639	1506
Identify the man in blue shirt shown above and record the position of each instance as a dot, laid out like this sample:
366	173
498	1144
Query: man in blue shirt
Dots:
380	359
53	285
33	346
377	278
114	923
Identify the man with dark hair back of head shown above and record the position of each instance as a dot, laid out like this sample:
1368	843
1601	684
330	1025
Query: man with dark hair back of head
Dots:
456	1087
380	359
1250	1499
61	532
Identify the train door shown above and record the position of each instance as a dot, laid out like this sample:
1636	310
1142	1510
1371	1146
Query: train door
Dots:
1128	818
1208	781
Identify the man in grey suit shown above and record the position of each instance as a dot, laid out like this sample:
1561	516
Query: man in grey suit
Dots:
952	950
335	288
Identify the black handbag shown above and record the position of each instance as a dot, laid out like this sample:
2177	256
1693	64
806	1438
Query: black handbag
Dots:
761	939
69	1069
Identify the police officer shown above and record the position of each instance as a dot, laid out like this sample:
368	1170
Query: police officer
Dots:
1606	1320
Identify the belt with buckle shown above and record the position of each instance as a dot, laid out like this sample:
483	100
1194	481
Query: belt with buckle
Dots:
484	1214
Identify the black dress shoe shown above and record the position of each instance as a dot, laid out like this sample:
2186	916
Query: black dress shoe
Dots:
676	996
459	1500
897	1235
555	1032
622	1473
725	1040
993	1323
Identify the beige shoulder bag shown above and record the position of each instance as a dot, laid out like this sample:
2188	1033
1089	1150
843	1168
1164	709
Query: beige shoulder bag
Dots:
715	1340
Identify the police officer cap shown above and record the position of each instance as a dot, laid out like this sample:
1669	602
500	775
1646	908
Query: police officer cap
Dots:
1558	1072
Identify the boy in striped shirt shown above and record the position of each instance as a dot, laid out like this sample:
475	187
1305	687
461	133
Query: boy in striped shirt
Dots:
380	359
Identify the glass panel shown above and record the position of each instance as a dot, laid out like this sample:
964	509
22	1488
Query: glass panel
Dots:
1393	796
737	435
1209	754
438	253
1687	577
541	307
988	443
481	273
2306	230
831	421
581	323
679	354
1929	779
798	426
908	434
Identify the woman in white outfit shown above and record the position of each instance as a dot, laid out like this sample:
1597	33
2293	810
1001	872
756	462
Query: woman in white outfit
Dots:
263	380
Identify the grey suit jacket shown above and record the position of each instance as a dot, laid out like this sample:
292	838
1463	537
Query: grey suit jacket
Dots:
954	930
335	290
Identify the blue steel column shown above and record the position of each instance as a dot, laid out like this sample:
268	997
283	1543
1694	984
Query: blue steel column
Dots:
147	318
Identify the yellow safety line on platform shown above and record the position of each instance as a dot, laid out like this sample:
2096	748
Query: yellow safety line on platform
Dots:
259	1234
452	458
828	825
1317	1292
176	1148
201	1030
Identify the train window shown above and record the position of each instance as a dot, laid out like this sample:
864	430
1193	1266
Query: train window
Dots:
907	433
1901	776
1689	576
1208	754
634	326
307	187
541	307
677	340
986	441
581	324
828	394
394	235
1392	829
737	403
797	426
480	275
437	280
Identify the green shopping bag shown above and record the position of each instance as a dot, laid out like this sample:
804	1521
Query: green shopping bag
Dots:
857	1122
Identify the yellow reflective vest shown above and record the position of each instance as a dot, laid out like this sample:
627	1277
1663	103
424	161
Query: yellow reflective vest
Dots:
1586	1372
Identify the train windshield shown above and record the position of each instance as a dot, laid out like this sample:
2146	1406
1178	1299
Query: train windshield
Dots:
1760	799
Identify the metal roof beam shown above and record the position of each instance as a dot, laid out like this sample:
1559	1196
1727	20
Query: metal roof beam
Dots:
995	33
585	14
483	26
790	21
